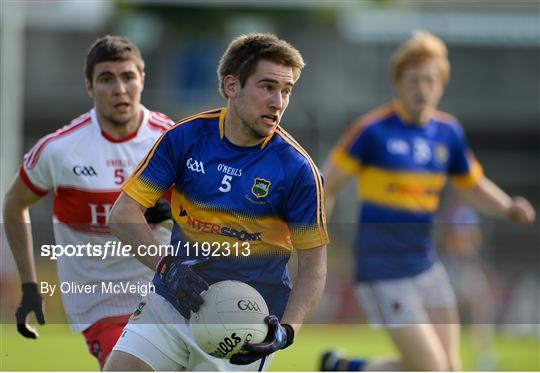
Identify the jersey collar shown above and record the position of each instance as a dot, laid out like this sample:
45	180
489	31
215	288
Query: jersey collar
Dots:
131	136
406	117
222	129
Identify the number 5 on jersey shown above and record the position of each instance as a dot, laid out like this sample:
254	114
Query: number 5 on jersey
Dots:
119	176
225	184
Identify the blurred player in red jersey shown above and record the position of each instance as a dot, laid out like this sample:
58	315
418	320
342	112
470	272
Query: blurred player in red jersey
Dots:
85	163
402	154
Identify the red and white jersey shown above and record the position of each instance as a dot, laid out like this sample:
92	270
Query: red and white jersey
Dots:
85	168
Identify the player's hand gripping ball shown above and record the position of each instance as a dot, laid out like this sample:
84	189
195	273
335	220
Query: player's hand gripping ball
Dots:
232	315
279	337
182	282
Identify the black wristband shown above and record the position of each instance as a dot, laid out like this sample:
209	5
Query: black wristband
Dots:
163	262
29	288
160	212
290	334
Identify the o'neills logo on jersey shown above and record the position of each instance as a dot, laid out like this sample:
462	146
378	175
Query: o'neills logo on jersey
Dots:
119	163
84	171
260	187
213	228
194	165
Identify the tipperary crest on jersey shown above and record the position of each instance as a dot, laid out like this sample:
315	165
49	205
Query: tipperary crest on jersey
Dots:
441	153
260	187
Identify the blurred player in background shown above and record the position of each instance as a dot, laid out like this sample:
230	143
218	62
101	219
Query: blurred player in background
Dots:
461	239
239	178
401	154
85	163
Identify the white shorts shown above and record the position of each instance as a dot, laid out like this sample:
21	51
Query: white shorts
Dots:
158	335
404	301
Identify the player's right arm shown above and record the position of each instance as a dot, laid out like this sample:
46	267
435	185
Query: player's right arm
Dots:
151	179
17	201
334	179
127	222
345	161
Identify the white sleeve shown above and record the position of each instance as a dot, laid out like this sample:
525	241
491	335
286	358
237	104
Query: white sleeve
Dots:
37	170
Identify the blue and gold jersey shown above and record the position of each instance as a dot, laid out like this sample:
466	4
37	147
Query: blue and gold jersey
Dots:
246	207
401	169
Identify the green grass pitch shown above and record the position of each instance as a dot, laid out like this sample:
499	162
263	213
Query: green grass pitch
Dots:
60	350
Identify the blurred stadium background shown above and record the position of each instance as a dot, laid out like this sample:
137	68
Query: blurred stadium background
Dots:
494	91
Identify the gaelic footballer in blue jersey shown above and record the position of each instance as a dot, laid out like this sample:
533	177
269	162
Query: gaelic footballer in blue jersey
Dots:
243	187
402	155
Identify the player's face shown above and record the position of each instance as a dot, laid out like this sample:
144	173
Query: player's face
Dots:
420	88
263	99
116	90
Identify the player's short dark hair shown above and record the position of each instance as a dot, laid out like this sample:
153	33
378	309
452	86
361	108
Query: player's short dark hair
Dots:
244	52
111	48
